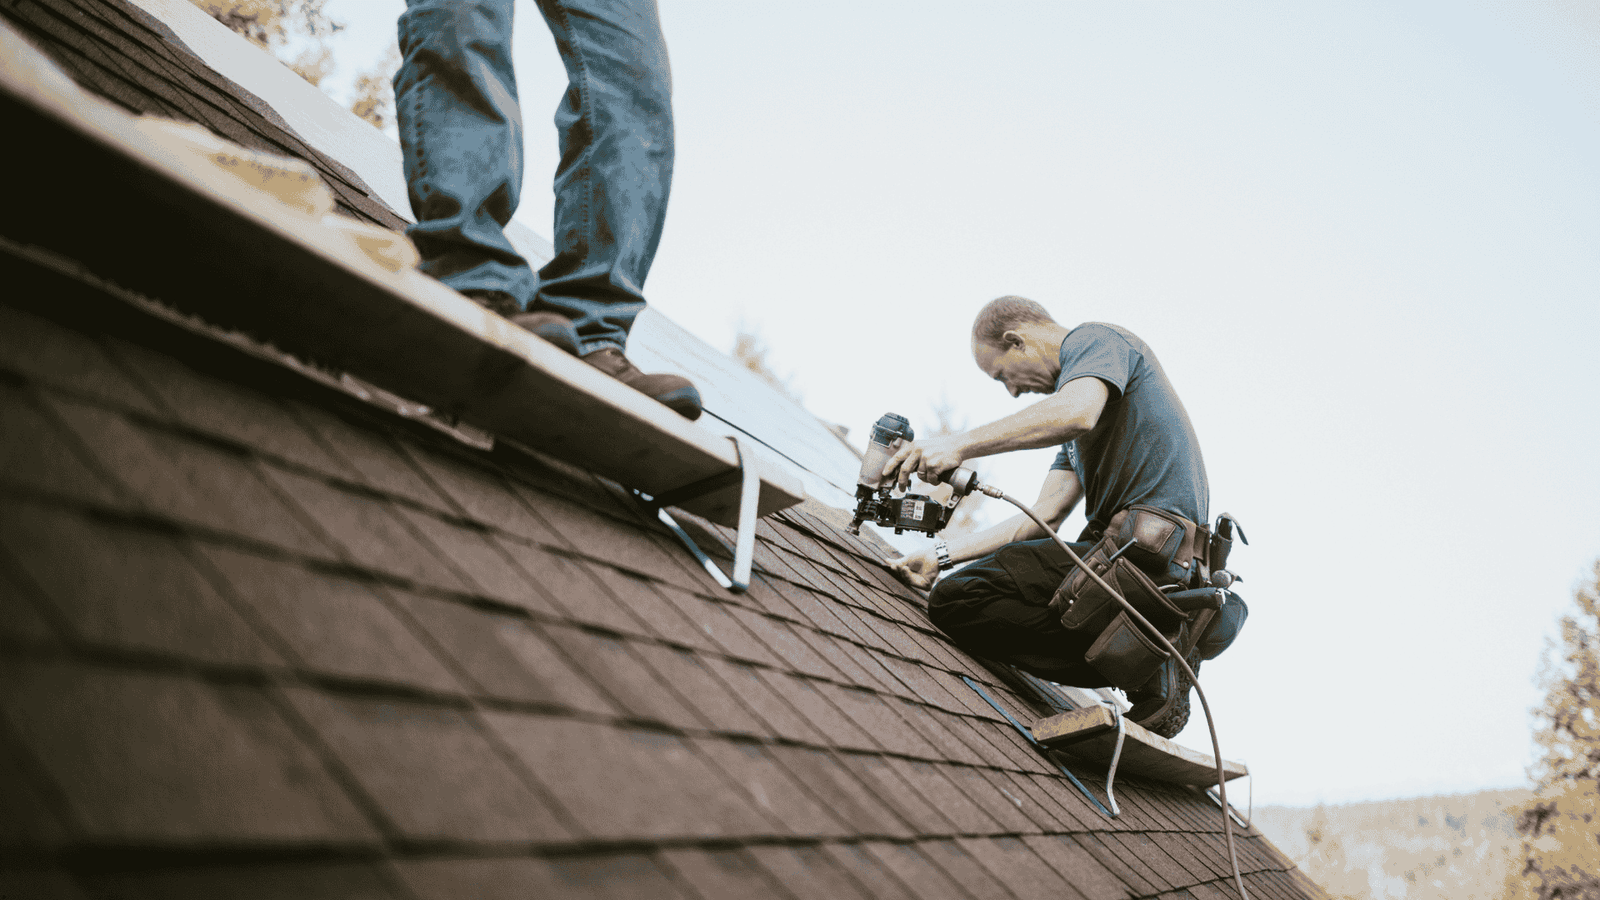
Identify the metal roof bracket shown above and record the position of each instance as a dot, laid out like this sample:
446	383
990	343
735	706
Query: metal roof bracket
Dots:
1047	753
744	546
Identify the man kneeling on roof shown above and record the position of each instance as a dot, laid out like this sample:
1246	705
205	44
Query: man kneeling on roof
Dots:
1127	445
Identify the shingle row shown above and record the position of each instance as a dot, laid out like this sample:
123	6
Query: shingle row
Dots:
240	621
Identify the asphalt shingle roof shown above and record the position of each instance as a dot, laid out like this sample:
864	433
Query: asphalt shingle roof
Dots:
258	634
259	638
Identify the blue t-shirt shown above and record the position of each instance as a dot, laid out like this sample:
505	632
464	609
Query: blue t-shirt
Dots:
1143	450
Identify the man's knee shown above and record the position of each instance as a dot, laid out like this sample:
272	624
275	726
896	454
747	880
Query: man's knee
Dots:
946	602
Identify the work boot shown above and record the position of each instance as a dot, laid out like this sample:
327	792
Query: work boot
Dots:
1161	704
673	391
553	328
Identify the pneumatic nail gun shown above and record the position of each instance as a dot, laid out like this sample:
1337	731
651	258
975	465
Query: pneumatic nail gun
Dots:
911	512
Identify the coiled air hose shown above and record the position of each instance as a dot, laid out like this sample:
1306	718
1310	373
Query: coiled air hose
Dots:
1216	749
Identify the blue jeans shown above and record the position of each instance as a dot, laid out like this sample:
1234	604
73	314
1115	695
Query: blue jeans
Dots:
461	137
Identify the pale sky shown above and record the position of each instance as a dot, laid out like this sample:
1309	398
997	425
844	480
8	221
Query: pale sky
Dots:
1363	238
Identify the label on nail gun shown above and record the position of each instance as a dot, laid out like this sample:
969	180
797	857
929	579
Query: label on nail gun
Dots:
911	510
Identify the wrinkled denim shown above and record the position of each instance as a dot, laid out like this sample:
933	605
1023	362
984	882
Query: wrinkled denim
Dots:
461	137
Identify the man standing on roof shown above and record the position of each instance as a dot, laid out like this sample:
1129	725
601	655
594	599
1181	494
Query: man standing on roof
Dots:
1127	445
461	137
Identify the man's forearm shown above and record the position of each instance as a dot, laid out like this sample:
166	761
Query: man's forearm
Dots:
1054	420
972	546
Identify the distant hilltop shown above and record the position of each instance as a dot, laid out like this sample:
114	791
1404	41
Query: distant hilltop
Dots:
1457	846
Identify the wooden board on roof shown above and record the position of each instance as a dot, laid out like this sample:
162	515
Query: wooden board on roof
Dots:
134	211
1091	734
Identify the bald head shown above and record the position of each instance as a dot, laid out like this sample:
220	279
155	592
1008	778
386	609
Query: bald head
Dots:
1003	314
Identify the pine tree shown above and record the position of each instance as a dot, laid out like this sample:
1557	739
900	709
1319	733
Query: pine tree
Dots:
1560	828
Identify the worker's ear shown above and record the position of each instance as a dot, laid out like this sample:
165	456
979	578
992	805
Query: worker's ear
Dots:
1012	340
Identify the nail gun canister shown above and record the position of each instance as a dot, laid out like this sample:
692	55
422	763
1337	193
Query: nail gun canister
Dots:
889	428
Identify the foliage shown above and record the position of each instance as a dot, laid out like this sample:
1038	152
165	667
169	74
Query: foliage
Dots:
1560	828
1431	848
751	351
297	33
374	91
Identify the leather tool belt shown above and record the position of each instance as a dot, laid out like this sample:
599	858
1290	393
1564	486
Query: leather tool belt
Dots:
1139	542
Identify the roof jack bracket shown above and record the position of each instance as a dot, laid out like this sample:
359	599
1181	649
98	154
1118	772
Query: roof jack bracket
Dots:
1111	773
1046	752
744	547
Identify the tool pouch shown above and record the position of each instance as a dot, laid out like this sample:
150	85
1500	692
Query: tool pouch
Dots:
1124	654
1221	542
1086	608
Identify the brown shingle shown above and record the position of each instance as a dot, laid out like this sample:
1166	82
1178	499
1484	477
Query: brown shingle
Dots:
931	782
475	555
1077	866
332	625
944	731
158	759
881	882
841	791
392	746
712	700
368	530
21	616
722	874
36	456
627	783
505	656
1010	861
657	617
480	494
633	688
809	873
895	793
128	588
31	821
478	879
189	482
293	881
251	420
575	588
774	790
875	719
925	879
964	869
997	800
780	718
780	638
806	696
718	624
40	884
1140	880
623	876
66	360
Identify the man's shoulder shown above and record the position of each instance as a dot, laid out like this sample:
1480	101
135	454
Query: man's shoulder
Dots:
1093	330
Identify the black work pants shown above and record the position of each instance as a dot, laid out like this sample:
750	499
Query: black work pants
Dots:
998	607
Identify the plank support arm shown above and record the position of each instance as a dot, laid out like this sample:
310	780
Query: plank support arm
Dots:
744	546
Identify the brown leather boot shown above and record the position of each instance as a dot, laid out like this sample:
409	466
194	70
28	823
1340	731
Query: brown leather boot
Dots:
673	391
1162	703
553	328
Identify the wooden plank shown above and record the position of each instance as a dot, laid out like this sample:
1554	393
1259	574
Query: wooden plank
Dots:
133	211
1091	734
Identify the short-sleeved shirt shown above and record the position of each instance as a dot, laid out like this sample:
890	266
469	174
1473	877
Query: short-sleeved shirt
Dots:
1143	449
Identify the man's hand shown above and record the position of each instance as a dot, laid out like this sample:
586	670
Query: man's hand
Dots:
931	460
917	570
